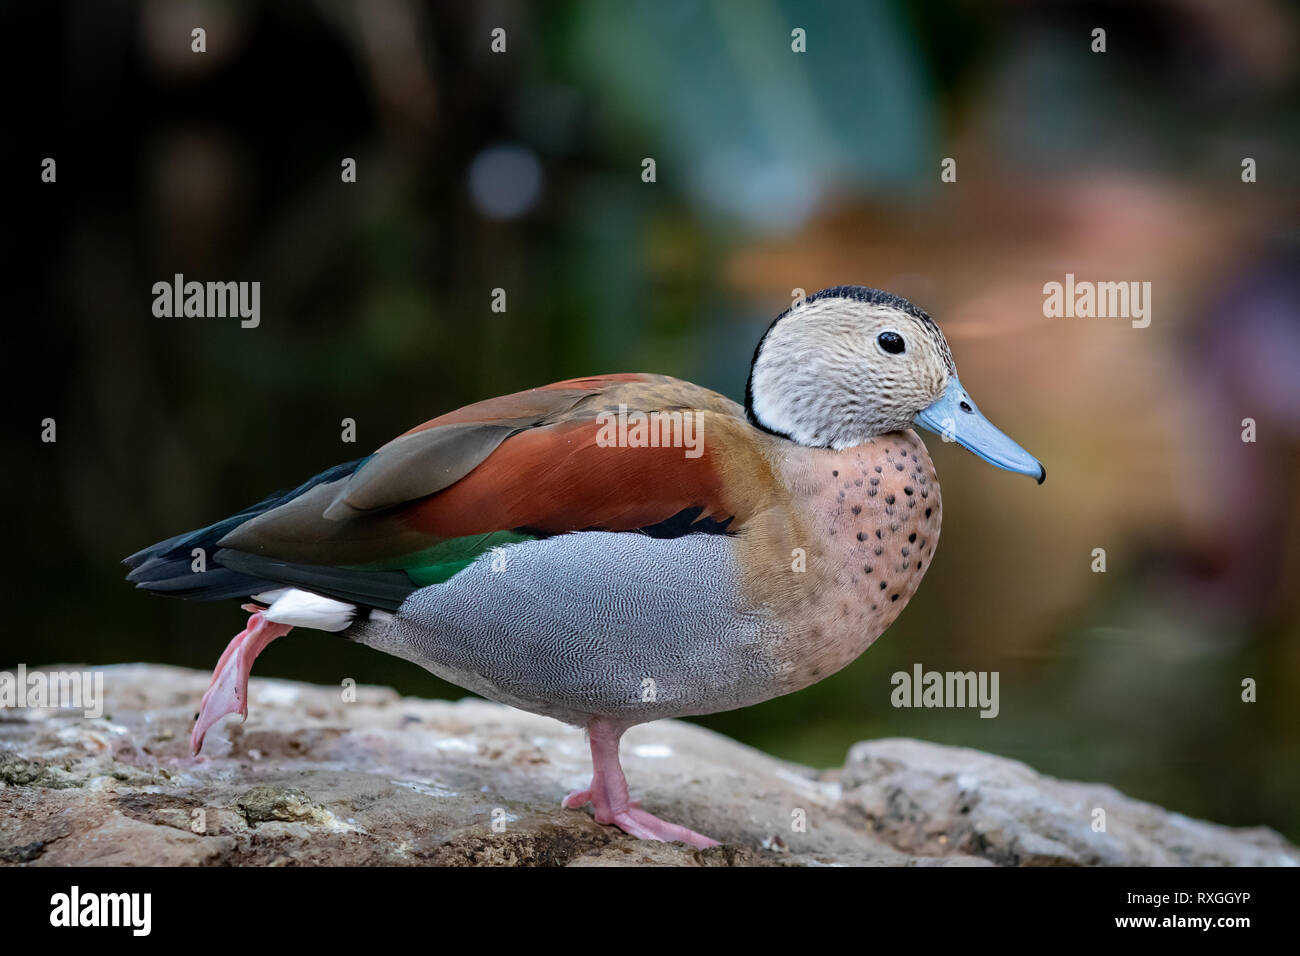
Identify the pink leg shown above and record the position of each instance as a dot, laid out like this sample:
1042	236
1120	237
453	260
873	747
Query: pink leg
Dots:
608	795
228	692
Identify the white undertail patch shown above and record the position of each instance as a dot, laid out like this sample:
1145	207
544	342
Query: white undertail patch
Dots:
304	609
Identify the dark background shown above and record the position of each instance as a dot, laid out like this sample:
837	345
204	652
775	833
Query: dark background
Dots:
776	171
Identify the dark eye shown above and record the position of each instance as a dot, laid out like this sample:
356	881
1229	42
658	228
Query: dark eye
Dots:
891	342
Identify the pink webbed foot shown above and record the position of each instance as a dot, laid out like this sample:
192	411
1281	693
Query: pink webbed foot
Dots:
608	795
647	826
228	692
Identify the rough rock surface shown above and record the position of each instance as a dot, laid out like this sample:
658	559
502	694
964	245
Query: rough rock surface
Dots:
311	779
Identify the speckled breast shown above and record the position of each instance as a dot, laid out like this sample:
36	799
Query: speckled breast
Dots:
870	517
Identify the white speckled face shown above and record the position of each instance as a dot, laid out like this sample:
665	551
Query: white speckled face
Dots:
837	371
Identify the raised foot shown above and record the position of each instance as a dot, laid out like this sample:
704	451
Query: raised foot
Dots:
228	692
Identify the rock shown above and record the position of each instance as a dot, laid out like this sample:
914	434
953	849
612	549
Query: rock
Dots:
925	799
388	780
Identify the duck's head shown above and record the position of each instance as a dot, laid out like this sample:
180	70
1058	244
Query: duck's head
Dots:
850	363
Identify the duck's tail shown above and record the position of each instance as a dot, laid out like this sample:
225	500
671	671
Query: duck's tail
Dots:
185	565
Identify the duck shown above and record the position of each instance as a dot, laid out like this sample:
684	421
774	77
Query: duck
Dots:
621	548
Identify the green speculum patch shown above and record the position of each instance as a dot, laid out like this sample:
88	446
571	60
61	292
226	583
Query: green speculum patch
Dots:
442	561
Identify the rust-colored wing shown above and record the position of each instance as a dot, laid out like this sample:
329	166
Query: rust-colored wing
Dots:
567	457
